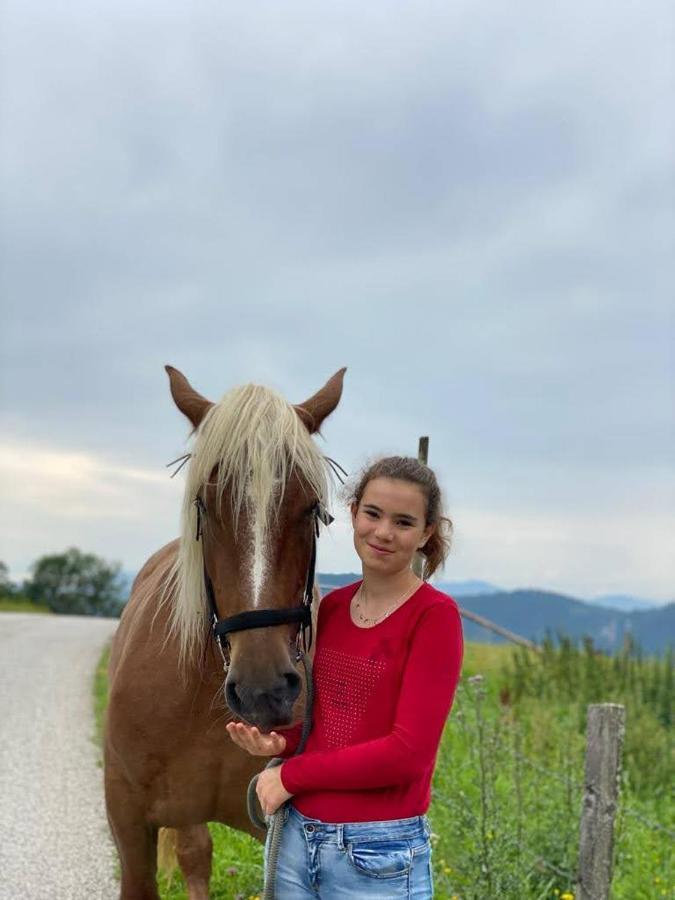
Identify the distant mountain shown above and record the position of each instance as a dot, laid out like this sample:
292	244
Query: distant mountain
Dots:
531	613
624	602
467	588
328	581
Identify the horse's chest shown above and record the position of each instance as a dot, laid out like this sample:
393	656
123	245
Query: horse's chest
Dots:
199	785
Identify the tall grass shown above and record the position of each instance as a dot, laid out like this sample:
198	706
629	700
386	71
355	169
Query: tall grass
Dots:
571	676
509	779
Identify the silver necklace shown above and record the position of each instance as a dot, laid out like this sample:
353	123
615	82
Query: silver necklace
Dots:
367	620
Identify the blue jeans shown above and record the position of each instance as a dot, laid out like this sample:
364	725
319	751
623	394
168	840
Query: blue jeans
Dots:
386	860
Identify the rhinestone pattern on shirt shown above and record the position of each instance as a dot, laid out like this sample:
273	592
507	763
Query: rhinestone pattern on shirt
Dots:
344	686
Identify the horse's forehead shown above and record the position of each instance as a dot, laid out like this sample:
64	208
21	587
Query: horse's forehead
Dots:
262	518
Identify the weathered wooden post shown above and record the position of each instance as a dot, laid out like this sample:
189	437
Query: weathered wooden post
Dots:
604	743
423	457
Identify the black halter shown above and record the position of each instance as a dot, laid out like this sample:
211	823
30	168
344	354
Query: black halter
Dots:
260	618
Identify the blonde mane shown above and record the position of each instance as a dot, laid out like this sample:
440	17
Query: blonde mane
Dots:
254	439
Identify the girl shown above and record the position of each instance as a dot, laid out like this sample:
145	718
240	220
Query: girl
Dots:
388	658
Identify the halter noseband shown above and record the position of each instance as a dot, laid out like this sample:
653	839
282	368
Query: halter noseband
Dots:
261	618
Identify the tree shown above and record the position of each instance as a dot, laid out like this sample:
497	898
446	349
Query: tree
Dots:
7	586
77	583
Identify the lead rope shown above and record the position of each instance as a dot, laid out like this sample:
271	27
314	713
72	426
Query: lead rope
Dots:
275	823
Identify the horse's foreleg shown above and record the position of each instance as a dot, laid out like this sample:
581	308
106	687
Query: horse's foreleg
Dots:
136	843
137	848
193	849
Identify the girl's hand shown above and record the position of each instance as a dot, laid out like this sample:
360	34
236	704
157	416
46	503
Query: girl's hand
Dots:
270	790
255	742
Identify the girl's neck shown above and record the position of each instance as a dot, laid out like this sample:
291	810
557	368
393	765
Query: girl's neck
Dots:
380	588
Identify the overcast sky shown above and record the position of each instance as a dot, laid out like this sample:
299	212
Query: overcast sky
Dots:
469	204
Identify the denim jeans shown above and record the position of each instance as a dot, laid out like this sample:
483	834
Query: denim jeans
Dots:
386	860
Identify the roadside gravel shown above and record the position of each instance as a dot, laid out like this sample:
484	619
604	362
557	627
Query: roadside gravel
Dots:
55	840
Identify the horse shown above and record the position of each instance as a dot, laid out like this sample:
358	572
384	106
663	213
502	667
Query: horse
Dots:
255	479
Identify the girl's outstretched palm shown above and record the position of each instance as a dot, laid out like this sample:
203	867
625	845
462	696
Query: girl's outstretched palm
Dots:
249	738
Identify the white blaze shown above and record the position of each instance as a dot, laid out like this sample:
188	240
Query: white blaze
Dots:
259	552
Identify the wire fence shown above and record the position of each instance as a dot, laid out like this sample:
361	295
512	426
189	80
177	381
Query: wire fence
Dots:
512	821
647	822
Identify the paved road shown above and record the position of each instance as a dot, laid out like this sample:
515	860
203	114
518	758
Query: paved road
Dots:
54	838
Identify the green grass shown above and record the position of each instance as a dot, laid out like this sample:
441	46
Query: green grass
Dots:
509	778
101	693
486	659
20	604
507	798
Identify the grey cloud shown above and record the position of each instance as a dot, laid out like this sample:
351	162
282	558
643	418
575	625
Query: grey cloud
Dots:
470	208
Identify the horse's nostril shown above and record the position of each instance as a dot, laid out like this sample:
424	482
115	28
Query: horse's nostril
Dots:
231	695
293	682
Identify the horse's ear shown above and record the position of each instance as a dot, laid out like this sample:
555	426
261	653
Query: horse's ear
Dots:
186	398
320	405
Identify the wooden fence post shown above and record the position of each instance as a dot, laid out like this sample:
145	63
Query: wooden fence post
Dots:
423	457
604	743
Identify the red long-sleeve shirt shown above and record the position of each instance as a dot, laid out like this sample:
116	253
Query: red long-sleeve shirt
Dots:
382	696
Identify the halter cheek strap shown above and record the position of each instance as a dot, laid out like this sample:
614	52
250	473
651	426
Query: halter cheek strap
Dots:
262	618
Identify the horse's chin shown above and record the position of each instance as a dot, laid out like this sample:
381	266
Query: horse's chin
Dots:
265	723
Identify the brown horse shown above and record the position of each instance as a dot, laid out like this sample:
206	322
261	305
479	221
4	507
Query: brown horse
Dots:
254	477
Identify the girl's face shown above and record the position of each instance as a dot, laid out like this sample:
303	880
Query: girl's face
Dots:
390	524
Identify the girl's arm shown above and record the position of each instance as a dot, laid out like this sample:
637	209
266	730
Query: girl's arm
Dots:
427	692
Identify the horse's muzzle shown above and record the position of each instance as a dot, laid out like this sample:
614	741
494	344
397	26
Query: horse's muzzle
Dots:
266	706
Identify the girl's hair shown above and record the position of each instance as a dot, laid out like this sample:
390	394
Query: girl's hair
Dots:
407	468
